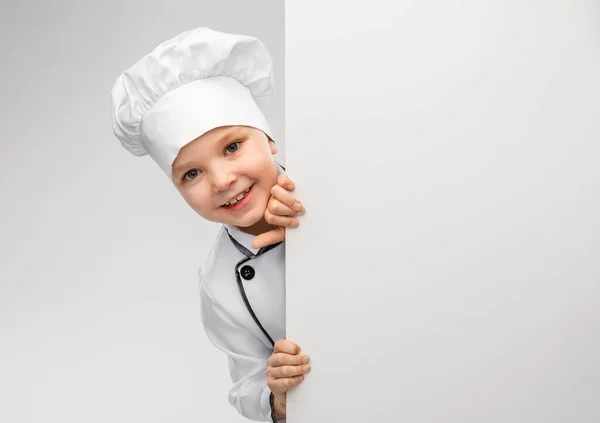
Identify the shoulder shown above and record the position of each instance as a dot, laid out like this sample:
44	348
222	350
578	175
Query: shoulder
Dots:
213	254
220	261
217	283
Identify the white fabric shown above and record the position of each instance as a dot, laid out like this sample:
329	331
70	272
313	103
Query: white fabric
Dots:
230	327
197	81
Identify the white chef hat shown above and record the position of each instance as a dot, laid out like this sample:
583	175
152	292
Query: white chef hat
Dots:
197	81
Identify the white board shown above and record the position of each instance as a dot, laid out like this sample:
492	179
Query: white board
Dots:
448	154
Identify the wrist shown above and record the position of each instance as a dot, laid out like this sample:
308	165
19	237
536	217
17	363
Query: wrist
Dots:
279	408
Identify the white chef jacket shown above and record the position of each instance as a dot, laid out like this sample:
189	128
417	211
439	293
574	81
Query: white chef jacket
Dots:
242	293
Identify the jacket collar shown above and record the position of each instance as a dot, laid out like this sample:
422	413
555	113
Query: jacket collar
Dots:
243	238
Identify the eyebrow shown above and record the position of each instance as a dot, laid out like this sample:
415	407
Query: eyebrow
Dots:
232	133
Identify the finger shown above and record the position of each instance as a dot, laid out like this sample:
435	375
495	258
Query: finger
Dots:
285	384
284	181
284	359
283	221
286	198
268	238
285	346
288	371
278	208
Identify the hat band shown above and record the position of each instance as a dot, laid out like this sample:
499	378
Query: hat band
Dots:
193	109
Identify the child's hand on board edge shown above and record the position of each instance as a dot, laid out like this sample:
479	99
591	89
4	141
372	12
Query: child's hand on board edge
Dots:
281	212
285	369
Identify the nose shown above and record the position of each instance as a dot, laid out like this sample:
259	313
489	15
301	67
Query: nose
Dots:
222	180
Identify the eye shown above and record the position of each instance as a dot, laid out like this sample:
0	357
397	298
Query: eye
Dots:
191	174
233	147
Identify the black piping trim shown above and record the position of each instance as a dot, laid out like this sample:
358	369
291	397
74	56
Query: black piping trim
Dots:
247	252
245	298
241	248
272	403
250	256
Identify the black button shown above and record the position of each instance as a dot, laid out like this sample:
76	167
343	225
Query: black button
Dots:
247	272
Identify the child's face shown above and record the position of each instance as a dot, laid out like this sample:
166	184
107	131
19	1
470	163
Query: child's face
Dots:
223	164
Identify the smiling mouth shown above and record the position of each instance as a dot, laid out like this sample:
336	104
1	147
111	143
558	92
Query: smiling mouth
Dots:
237	199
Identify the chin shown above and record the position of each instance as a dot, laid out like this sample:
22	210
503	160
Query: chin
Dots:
248	221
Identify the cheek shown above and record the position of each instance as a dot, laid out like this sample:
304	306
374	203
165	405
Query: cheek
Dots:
263	194
198	199
266	171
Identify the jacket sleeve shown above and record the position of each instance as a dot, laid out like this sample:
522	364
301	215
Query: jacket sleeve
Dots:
247	357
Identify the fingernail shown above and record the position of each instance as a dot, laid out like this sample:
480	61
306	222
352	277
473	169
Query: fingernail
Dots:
291	186
306	368
297	206
305	360
294	223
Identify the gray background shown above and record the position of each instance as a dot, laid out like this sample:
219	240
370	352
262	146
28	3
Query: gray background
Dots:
99	307
448	154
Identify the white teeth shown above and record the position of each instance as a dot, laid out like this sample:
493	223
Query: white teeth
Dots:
238	198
